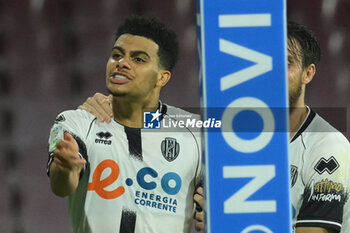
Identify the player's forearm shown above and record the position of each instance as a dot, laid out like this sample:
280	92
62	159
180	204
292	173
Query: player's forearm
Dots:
63	182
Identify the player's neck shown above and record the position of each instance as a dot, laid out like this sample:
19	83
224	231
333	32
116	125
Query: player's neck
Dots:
130	113
297	115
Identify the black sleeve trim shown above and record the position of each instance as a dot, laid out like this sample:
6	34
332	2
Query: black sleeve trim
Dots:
82	153
319	223
49	164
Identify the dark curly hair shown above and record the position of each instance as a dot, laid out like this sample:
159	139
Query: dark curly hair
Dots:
303	43
152	28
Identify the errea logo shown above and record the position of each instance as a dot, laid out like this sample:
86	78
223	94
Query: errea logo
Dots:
103	138
328	165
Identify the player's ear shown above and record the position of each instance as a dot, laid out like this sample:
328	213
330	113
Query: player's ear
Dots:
309	73
163	78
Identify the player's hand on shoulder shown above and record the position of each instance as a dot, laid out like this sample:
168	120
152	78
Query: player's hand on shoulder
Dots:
66	155
99	106
199	214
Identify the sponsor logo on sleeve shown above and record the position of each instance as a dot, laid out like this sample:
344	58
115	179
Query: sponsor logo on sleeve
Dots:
330	165
326	191
56	135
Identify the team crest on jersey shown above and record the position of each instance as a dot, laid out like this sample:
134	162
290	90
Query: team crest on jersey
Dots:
293	174
329	165
170	148
60	118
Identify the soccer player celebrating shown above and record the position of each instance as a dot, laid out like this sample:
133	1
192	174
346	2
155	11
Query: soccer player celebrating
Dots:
119	177
319	154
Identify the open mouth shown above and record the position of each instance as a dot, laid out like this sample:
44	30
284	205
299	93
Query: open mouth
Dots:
119	79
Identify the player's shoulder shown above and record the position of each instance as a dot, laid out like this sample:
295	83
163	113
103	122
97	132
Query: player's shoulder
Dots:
323	136
321	130
179	113
77	122
75	114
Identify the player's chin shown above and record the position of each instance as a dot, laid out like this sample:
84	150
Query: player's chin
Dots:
116	93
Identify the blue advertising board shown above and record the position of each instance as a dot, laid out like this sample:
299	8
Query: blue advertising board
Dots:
243	69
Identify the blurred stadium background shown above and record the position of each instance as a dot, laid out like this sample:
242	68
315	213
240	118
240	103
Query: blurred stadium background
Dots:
53	56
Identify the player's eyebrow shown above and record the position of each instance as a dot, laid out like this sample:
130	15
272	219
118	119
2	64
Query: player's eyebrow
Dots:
119	48
139	52
132	53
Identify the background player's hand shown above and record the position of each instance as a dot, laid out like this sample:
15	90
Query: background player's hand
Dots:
100	106
199	214
66	155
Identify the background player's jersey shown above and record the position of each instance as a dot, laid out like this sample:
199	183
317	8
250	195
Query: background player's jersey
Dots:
320	176
137	180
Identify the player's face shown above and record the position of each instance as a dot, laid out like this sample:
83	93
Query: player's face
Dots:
295	73
133	67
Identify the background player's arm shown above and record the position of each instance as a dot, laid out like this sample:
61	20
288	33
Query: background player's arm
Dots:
312	230
99	105
66	166
199	214
318	215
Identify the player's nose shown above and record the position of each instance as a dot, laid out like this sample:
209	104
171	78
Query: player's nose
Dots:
123	62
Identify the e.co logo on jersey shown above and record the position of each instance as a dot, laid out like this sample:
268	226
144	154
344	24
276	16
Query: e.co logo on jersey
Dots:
170	182
99	185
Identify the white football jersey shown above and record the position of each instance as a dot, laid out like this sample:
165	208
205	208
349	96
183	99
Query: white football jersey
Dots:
320	176
136	180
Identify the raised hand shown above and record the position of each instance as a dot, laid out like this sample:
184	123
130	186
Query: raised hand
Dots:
66	155
66	166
